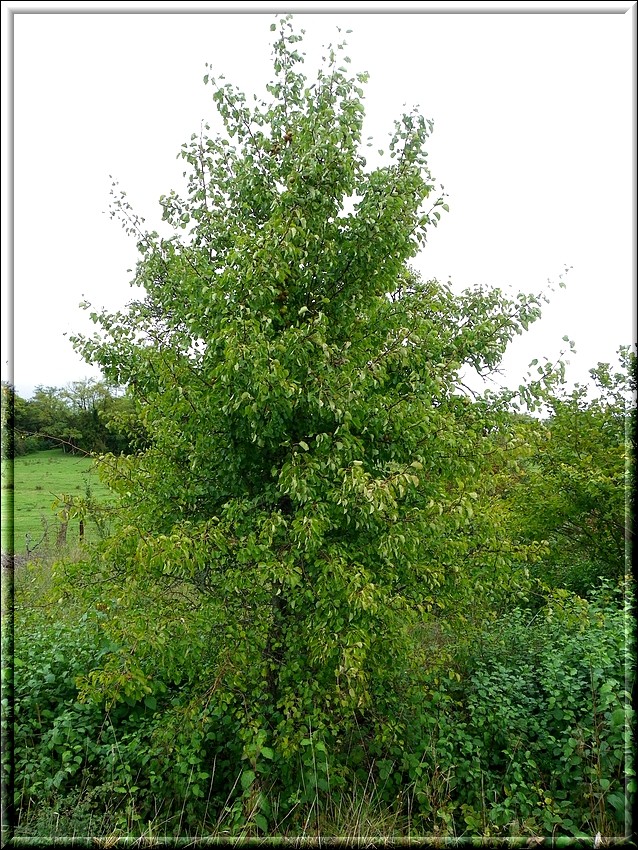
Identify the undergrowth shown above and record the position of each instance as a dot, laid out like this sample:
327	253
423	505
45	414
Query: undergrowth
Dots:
530	736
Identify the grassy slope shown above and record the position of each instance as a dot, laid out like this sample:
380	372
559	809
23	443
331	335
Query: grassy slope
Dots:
38	479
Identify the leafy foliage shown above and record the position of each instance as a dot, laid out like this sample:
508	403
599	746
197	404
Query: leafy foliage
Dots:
85	416
316	536
575	494
534	739
313	458
548	692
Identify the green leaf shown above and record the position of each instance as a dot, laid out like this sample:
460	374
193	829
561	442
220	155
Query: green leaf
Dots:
616	801
618	717
247	779
261	822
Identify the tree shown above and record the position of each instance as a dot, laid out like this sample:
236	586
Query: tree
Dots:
93	407
86	416
314	458
575	495
51	420
9	402
22	419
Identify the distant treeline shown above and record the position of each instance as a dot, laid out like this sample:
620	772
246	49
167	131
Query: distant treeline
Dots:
84	416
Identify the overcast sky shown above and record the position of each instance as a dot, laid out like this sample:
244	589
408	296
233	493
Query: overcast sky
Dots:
532	141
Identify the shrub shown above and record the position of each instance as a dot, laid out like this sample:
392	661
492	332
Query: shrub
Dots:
537	737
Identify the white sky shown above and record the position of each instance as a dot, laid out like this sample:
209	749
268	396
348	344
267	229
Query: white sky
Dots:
532	141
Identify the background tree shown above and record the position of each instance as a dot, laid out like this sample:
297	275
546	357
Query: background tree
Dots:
49	419
86	416
92	403
9	401
311	489
574	495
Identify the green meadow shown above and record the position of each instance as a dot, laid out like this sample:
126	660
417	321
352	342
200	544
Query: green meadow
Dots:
38	480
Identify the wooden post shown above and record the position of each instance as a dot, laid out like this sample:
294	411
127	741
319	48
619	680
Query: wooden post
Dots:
64	522
61	539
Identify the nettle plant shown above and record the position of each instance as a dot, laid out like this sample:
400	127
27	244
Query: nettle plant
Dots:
314	465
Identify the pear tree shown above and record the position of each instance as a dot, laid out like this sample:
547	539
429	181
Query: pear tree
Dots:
312	484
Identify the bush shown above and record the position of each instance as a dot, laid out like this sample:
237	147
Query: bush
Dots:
67	751
536	739
528	735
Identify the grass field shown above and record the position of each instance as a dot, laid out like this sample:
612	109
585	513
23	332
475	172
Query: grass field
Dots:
39	479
